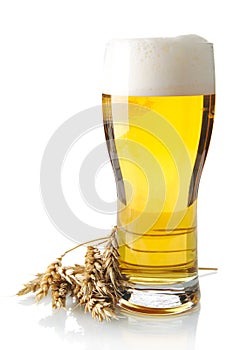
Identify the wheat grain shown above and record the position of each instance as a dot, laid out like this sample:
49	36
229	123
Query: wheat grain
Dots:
102	311
59	291
31	286
74	276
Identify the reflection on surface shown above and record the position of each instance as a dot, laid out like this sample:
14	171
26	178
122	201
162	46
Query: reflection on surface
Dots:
130	331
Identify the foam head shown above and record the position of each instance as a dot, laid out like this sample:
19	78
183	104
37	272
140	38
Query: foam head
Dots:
182	65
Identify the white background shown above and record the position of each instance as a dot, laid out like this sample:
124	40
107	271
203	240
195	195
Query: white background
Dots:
51	56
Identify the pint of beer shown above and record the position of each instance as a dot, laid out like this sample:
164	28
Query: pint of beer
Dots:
158	109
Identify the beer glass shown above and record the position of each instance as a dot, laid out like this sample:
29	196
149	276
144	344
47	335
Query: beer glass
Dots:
158	110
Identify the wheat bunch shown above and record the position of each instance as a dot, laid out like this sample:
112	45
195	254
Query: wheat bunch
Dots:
97	286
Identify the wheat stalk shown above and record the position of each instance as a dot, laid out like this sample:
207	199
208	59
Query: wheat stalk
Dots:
51	275
96	294
112	272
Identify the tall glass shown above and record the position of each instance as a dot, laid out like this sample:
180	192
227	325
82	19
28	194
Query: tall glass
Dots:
158	110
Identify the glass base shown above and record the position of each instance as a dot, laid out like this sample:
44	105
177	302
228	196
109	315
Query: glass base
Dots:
162	299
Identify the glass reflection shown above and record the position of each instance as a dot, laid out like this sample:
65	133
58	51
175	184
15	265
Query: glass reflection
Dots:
129	332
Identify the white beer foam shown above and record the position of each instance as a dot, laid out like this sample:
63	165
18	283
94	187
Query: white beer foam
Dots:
182	65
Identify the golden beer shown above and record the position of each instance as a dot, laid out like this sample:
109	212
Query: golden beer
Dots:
157	146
